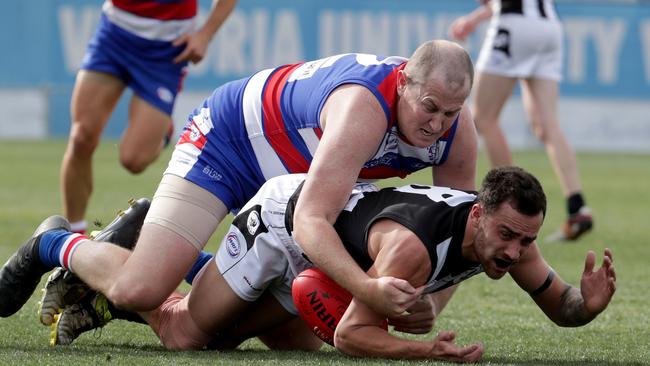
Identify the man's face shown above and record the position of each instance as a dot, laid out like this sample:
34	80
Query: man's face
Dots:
502	237
426	109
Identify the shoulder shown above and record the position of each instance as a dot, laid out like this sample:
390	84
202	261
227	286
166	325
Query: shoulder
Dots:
353	101
466	124
398	252
466	139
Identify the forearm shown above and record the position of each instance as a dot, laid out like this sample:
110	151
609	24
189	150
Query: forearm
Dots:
572	311
324	248
372	341
481	14
220	11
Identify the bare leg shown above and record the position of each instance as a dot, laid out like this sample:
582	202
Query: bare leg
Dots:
209	310
140	281
213	315
292	335
161	257
540	101
490	95
93	100
275	327
143	138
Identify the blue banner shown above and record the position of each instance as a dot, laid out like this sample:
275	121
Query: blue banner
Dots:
607	50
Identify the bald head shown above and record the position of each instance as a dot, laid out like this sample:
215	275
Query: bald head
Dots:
443	60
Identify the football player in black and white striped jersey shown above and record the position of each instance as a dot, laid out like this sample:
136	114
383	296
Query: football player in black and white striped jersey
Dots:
432	237
524	42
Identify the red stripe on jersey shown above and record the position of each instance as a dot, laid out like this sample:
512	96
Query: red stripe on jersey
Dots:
274	127
381	172
185	9
68	250
192	135
318	132
388	88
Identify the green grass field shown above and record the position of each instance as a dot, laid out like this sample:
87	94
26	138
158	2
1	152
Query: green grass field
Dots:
497	313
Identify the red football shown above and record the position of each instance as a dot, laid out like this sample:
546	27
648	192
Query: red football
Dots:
320	301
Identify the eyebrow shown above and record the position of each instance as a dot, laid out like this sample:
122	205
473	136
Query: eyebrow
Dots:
434	104
528	238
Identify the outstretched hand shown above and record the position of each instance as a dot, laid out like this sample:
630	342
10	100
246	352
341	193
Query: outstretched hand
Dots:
598	287
444	348
196	45
391	296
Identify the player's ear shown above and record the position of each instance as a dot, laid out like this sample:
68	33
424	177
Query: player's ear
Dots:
475	213
402	80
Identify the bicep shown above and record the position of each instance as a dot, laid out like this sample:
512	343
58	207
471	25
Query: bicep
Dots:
354	124
397	252
459	170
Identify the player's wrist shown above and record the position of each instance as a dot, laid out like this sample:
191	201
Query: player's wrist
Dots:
369	287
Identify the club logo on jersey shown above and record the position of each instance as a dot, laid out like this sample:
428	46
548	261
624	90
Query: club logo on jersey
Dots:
433	151
253	222
232	245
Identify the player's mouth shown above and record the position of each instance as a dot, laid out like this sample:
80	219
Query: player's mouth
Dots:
503	264
426	132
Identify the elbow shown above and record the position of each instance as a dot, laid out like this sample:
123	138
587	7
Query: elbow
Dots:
573	322
304	227
343	342
299	232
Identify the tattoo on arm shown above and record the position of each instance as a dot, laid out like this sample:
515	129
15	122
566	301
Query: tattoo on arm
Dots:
572	309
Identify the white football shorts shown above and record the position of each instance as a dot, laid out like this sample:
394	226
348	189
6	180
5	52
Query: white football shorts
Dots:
257	253
522	47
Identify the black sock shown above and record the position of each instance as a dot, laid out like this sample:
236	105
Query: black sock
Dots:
575	203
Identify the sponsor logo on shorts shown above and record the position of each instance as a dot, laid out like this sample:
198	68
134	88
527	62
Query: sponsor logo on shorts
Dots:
253	222
165	94
250	284
210	172
232	245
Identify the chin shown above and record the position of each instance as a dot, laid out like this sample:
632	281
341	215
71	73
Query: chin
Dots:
495	275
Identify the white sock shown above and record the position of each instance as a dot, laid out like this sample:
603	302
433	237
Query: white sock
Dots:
79	226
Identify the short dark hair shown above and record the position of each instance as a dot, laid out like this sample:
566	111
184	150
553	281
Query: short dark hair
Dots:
513	185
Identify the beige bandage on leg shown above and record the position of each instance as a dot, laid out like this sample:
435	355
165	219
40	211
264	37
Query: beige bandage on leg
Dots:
186	209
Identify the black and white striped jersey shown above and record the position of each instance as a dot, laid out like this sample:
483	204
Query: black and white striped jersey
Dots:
437	215
527	8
